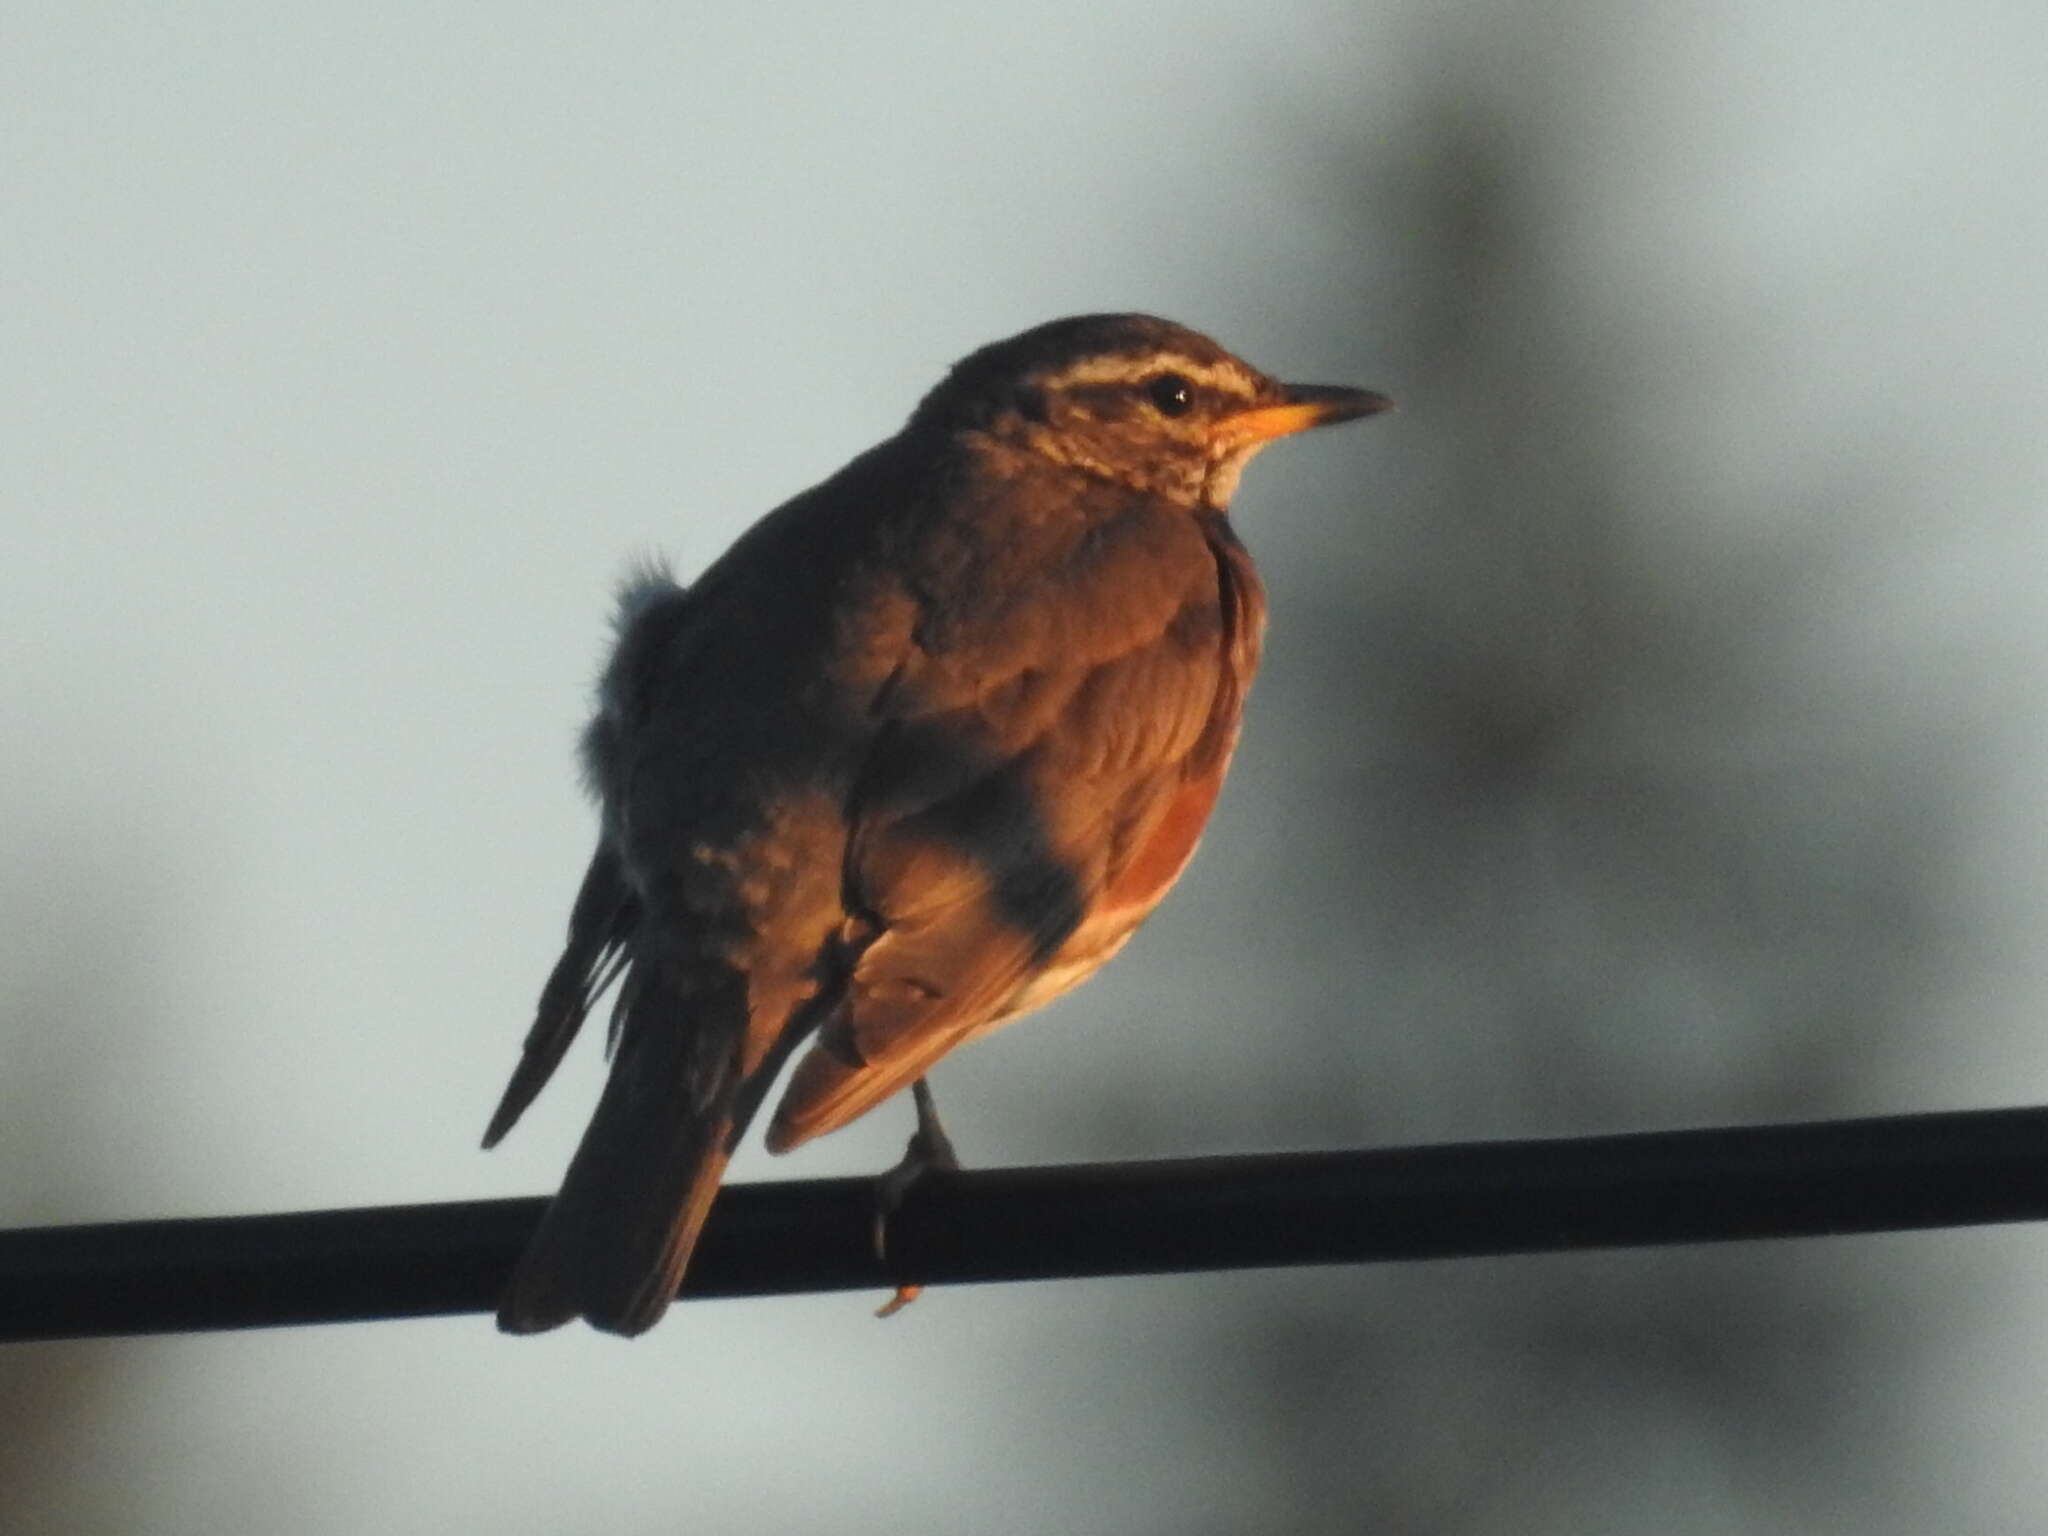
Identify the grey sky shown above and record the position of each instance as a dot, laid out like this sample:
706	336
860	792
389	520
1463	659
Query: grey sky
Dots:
349	356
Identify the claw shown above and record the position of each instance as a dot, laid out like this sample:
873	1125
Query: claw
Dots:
905	1295
929	1148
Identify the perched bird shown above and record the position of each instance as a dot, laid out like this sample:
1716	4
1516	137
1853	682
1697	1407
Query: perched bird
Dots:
913	757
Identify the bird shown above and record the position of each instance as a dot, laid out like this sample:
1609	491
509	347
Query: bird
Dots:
915	756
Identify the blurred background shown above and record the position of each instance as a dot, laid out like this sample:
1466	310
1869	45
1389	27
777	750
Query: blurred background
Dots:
1655	730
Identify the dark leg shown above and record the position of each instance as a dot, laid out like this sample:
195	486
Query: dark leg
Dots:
930	1148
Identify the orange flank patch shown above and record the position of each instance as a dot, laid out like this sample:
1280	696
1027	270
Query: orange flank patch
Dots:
1165	853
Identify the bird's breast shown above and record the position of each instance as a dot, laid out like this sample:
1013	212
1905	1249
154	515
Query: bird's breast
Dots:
1194	681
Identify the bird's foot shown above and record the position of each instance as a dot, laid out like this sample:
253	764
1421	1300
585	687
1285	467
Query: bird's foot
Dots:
930	1149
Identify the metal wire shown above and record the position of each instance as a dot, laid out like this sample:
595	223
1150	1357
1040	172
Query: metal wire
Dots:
1830	1177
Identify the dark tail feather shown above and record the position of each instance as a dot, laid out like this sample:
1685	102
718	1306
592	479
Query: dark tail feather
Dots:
598	927
614	1244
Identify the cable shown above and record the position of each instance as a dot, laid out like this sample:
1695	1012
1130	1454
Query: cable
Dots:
1844	1176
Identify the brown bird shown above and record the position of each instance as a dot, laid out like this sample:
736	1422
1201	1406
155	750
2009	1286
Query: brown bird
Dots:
913	757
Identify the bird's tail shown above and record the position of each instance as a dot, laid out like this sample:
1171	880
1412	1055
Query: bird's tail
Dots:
613	1245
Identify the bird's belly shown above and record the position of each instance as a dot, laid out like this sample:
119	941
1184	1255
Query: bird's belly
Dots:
1079	958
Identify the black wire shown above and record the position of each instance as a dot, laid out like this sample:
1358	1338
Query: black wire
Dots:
1843	1176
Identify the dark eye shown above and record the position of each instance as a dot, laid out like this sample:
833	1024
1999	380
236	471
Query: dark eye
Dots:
1171	394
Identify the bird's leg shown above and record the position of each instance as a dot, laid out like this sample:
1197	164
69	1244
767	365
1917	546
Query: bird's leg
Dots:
930	1147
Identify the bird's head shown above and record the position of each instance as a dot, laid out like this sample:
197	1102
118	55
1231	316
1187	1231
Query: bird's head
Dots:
1135	399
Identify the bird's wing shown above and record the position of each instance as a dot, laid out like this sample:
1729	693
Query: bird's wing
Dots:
599	926
1008	792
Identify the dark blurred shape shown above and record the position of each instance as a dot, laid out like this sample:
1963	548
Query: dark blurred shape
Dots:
1591	846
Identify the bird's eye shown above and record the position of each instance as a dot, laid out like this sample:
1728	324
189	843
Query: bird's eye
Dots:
1171	395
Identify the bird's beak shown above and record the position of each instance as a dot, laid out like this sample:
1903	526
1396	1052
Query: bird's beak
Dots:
1301	406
